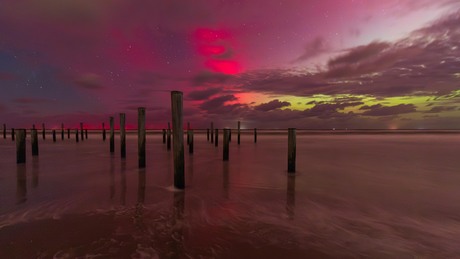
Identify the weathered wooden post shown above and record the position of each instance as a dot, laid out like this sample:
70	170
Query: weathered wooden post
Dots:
12	134
68	133
190	138
112	137
239	131
207	134
34	141
230	136
86	133
226	144
291	150
103	131
255	135
4	131
122	135
141	136
216	141
82	132
43	131
33	126
168	142
178	131
21	146
212	132
62	131
76	135
164	135
54	135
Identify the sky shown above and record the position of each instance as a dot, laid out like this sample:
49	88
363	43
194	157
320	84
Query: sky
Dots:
313	64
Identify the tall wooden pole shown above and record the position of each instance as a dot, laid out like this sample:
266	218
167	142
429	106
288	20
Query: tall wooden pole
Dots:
122	135
4	131
190	145
291	150
34	141
207	134
76	135
112	137
164	135
141	136
216	141
188	135
226	144
62	131
255	135
21	146
12	134
43	131
212	132
103	132
81	131
86	133
178	131
54	135
68	133
239	131
168	142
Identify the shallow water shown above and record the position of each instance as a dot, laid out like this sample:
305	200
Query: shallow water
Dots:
359	195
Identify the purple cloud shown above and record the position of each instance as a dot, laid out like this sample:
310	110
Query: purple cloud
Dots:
272	105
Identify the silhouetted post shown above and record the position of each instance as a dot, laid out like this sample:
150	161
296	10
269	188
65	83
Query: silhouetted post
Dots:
178	131
21	146
12	134
76	135
164	136
207	134
54	135
255	135
239	131
103	131
212	132
43	131
168	142
68	133
112	137
216	141
34	141
33	126
226	144
122	135
190	138
62	131
81	131
230	136
86	133
291	150
141	136
4	131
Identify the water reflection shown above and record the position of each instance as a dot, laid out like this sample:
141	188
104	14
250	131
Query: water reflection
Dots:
225	181
112	178
190	170
290	198
123	182
177	226
141	186
35	171
21	183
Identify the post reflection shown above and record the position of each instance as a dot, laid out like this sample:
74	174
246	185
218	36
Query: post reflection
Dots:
141	186
177	225
290	199
35	171
112	178
190	170
225	176
123	182
21	183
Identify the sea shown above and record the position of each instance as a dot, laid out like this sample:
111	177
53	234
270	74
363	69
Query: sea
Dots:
355	194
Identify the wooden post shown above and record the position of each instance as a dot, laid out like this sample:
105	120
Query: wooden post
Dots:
164	136
4	131
54	135
178	131
62	131
168	142
188	135
212	132
291	150
122	135
239	131
207	134
43	131
230	136
81	129
33	126
68	133
141	136
112	137
255	135
226	144
34	142
76	135
190	138
216	141
86	133
103	132
12	134
21	146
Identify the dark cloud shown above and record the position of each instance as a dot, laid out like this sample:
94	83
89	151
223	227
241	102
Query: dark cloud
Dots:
359	54
205	78
217	104
89	81
313	49
380	110
437	109
272	105
203	94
